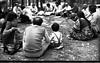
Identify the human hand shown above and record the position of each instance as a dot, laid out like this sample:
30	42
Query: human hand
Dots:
14	29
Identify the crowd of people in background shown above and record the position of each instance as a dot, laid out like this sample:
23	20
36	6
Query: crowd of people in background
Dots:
36	39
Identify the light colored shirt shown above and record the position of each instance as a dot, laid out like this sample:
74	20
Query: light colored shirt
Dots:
67	8
54	38
33	36
86	12
28	12
35	9
17	10
49	9
95	19
57	9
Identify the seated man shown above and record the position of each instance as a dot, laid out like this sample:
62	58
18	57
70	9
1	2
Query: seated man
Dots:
85	10
33	8
66	7
57	9
65	10
94	18
33	44
17	10
27	12
48	9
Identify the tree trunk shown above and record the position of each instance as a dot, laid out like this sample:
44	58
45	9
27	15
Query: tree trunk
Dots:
93	1
41	4
22	2
37	3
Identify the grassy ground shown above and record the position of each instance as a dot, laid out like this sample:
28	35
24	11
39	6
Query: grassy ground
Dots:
73	50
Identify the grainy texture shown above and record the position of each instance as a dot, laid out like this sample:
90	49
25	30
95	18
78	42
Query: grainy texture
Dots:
73	50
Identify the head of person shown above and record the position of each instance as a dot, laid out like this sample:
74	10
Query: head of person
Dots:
57	3
12	17
55	27
48	4
66	4
33	5
75	5
92	8
19	5
37	21
80	14
85	6
16	4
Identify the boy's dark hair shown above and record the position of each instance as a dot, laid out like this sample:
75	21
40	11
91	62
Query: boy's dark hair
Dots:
55	27
48	4
11	16
37	21
92	8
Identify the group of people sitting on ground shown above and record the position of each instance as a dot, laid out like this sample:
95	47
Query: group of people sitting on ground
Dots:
36	40
87	25
49	9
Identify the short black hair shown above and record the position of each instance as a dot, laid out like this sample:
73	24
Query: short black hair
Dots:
37	21
80	14
11	16
48	4
55	27
92	8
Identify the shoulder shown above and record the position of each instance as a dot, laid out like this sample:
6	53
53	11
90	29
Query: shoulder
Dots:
82	19
29	27
60	33
42	27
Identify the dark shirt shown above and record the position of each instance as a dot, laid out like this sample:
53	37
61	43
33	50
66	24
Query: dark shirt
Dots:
8	35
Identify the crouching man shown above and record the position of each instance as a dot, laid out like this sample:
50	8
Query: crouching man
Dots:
33	39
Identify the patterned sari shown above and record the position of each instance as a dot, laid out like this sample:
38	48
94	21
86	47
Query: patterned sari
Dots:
81	30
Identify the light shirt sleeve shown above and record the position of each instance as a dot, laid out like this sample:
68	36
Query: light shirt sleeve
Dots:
94	19
14	10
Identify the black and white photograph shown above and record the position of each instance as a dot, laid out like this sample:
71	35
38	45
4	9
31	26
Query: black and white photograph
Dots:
49	30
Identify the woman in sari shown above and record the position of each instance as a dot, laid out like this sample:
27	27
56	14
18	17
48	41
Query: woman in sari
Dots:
82	28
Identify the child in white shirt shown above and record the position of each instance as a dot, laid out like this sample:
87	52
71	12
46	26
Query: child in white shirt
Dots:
56	37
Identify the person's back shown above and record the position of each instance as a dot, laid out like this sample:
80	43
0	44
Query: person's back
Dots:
32	39
9	32
94	17
56	37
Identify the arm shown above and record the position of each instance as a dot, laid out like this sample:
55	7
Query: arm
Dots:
14	10
46	36
24	35
94	19
23	40
77	25
36	9
61	38
8	28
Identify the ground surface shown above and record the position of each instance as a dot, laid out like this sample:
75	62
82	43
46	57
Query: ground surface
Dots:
73	50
